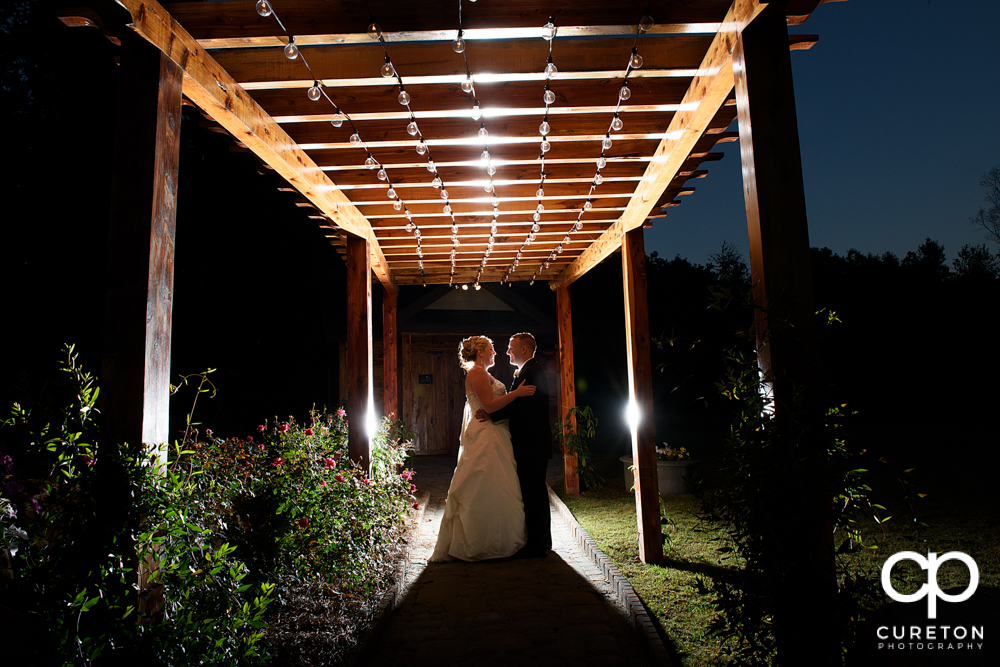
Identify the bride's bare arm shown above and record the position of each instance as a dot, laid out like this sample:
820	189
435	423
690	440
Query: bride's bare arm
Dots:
479	381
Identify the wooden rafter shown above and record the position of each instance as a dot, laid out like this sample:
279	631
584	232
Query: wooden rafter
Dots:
703	99
209	86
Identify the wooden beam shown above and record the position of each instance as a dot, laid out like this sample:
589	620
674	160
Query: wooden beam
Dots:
704	98
140	272
360	375
806	619
640	380
209	86
390	355
567	383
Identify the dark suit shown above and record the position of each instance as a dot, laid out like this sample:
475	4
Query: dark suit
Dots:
531	437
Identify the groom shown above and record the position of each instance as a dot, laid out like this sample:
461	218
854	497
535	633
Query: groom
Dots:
531	437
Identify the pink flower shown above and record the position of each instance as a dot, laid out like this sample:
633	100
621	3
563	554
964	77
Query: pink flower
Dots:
330	420
341	413
309	432
283	428
249	438
407	474
416	506
261	428
329	463
366	481
336	456
322	482
208	431
89	461
277	462
261	446
339	477
413	488
304	522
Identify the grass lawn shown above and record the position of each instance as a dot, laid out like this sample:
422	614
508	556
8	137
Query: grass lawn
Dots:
959	517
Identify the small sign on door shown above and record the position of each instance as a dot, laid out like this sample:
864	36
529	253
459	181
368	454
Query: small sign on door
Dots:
425	379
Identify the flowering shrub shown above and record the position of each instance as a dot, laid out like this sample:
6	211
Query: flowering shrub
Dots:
668	453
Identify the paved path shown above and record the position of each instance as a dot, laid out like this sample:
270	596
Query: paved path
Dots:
553	611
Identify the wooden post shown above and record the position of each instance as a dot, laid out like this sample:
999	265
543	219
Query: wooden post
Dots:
640	380
567	382
390	354
140	271
359	350
805	614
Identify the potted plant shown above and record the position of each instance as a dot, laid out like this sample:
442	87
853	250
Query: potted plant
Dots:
672	468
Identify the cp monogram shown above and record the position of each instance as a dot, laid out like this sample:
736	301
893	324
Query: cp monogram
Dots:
930	590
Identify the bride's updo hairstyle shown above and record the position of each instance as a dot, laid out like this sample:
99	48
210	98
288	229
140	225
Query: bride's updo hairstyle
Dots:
468	348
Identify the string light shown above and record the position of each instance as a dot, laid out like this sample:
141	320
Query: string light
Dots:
291	51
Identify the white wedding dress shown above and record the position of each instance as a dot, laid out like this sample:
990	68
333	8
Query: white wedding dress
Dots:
484	515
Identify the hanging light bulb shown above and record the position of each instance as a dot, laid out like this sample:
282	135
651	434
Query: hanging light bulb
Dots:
397	204
559	249
444	194
636	60
496	214
355	139
467	84
536	216
454	228
587	205
416	233
421	147
476	113
540	193
624	93
546	265
491	170
488	187
598	179
420	251
539	208
387	69
546	146
412	129
436	182
616	123
374	31
544	128
314	93
409	216
606	143
483	133
430	167
458	46
550	69
549	30
577	227
646	23
567	239
391	194
404	97
485	156
496	200
535	228
382	176
602	162
370	162
291	51
264	8
337	120
549	97
447	209
409	226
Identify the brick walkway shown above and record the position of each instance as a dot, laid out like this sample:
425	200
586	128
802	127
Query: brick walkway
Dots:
555	611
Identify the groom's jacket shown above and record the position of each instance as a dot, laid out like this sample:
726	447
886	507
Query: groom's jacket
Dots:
530	431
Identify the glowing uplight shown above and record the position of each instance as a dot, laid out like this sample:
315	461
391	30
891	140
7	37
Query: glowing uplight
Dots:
371	422
633	415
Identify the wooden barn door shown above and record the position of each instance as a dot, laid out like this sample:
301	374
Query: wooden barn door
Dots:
433	392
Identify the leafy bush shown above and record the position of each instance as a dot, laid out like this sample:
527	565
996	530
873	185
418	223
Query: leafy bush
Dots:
114	557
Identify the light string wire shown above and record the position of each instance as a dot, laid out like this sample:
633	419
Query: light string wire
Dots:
616	124
469	87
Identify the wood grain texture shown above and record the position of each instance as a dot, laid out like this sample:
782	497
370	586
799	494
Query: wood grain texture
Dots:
567	381
704	98
390	355
209	86
360	380
640	378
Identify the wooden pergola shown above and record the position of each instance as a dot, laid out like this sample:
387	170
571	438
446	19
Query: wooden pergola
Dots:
506	207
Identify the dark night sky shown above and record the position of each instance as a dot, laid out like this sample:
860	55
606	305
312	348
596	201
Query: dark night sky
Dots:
897	104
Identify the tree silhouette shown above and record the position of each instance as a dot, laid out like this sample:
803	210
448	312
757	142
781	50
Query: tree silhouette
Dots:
989	218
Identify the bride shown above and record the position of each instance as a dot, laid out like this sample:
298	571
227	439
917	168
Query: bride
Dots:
484	515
